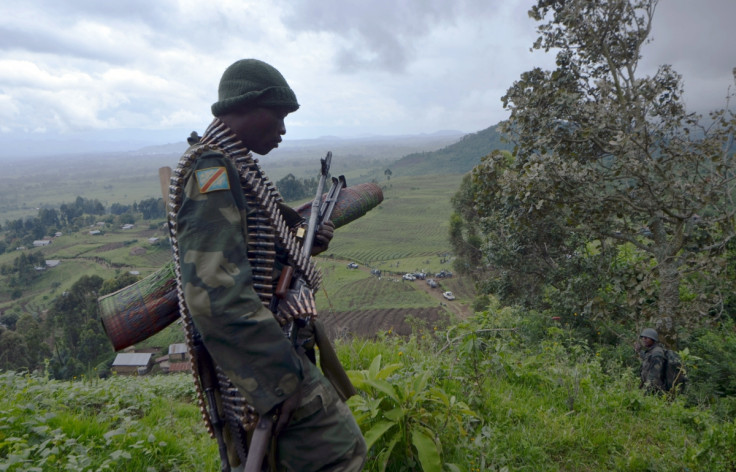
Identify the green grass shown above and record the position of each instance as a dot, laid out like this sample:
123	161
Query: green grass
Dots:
537	400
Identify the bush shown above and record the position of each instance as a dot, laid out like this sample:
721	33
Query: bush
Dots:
714	374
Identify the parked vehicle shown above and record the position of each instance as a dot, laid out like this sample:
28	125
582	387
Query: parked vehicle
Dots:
409	277
448	295
352	265
432	283
420	275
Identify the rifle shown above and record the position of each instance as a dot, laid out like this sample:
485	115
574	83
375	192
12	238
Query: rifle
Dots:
293	290
208	378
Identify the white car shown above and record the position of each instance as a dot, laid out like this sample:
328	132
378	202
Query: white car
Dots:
448	295
409	277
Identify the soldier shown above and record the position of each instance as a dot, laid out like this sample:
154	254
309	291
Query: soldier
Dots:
228	295
652	361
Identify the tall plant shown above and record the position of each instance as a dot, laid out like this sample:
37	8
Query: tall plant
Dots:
403	417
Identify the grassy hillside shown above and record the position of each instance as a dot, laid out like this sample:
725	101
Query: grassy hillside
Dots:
506	391
457	158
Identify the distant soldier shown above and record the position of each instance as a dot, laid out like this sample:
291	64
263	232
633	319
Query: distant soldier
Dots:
232	238
652	361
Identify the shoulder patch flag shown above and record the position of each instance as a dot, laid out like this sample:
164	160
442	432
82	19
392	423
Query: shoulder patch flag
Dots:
212	178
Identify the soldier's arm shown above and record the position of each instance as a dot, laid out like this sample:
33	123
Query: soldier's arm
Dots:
240	333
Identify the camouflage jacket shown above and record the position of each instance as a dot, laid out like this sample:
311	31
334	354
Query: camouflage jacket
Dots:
240	333
652	368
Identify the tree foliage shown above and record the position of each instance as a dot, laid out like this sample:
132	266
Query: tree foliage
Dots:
292	188
81	342
607	157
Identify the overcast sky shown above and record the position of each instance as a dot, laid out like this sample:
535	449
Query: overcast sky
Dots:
146	71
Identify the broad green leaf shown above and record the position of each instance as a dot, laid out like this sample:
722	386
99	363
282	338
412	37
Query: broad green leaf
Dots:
357	378
394	415
420	382
384	387
387	371
374	367
429	455
375	433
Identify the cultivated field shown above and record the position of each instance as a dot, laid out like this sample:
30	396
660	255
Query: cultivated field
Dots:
405	233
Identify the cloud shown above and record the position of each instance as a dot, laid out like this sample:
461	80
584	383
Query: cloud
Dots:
697	39
358	67
381	34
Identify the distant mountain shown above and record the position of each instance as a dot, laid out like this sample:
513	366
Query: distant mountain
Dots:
457	158
381	147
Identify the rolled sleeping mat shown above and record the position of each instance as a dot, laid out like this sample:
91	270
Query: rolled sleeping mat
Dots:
140	310
352	203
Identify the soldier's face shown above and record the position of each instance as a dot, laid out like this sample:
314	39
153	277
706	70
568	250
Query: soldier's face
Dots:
647	341
260	129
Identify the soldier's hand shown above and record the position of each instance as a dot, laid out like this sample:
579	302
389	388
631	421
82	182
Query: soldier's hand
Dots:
323	237
286	410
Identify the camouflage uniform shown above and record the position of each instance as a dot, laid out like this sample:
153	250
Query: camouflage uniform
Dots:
242	335
652	368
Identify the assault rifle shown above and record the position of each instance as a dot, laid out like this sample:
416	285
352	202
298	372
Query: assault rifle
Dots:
293	290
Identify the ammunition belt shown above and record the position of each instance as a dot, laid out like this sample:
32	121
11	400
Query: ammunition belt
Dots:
267	230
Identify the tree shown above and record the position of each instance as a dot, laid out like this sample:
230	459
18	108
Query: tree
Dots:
604	155
13	351
152	208
387	173
72	311
33	335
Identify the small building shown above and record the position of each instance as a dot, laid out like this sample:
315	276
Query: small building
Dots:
134	272
95	232
57	234
178	352
52	262
137	363
153	240
127	226
41	242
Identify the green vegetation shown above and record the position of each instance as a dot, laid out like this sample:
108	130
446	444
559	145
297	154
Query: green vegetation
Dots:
616	202
508	389
414	209
457	158
118	424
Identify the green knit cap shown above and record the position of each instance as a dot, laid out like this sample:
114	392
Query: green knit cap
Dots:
254	83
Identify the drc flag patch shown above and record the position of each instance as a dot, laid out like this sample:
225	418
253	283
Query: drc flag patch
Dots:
211	179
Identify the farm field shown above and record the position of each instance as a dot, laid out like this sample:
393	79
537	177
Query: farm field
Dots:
407	232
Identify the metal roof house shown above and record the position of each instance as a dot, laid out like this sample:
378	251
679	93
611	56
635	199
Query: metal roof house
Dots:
178	352
138	363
